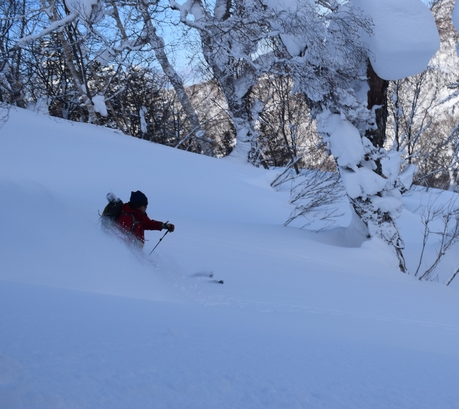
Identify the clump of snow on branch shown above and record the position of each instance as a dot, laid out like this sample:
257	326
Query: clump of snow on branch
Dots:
99	104
404	39
88	10
294	43
358	175
143	121
344	140
391	165
406	177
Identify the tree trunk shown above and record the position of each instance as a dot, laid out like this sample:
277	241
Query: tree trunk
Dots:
159	48
69	58
377	101
367	206
80	86
237	96
380	224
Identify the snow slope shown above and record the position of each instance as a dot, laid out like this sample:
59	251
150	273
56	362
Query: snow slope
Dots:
304	320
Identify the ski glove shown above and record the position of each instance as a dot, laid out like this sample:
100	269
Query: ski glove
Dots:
170	227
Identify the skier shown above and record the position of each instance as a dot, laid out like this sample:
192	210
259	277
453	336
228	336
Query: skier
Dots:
133	220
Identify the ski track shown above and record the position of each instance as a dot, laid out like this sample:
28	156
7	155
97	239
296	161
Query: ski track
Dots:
269	308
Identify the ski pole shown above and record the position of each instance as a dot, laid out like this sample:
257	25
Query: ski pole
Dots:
160	240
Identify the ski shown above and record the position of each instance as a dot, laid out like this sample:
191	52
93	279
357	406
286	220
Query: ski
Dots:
205	274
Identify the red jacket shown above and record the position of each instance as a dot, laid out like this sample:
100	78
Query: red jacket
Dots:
134	222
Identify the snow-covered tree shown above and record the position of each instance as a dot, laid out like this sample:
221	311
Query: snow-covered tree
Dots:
150	35
90	45
15	16
234	39
347	87
286	131
63	19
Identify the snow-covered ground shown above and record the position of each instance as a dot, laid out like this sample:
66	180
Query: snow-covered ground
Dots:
304	320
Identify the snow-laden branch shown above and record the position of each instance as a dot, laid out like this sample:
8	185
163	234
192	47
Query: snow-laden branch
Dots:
55	25
193	8
90	11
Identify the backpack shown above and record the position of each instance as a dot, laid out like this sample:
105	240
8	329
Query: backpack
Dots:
111	212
